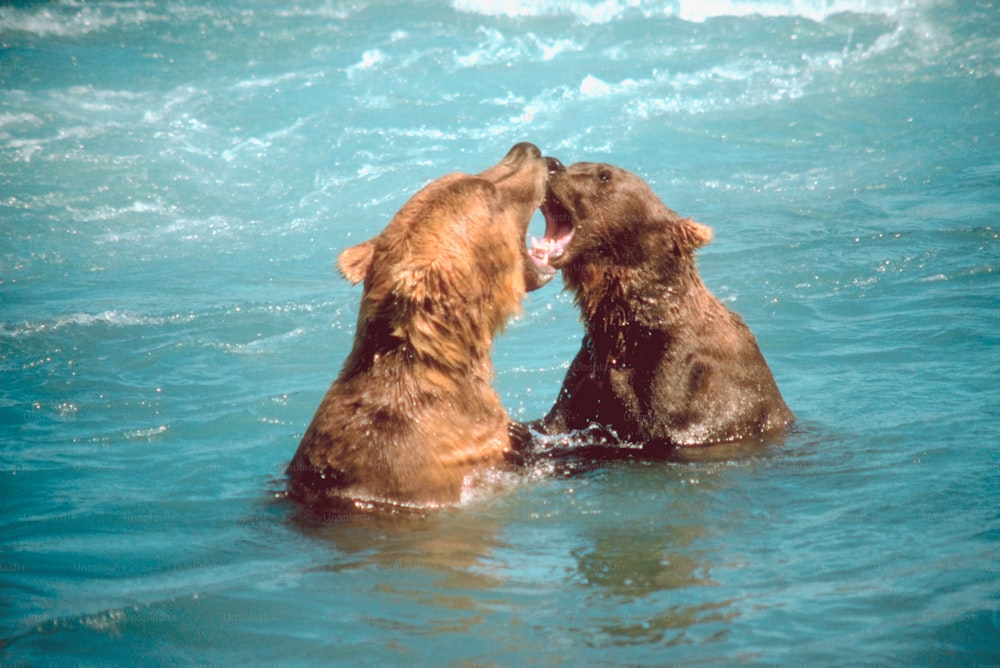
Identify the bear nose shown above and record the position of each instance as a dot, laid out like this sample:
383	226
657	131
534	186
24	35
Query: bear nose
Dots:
518	152
554	164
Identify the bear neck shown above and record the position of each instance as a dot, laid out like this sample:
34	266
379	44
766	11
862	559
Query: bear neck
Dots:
446	358
639	300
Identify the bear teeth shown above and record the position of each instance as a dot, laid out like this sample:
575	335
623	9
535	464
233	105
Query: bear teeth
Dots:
540	254
546	249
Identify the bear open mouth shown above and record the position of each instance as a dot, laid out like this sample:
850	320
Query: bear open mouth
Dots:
558	233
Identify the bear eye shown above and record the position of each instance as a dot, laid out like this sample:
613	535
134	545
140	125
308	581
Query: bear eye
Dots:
604	175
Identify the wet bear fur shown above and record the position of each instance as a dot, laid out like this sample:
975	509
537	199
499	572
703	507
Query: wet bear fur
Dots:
413	413
663	361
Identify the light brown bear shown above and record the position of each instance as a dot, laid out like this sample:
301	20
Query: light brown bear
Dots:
412	412
663	362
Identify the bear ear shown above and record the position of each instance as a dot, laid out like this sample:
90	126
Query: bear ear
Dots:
353	262
693	234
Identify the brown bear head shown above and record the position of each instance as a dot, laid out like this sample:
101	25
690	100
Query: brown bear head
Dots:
604	224
452	265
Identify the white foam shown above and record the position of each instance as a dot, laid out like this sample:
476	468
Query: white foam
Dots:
495	47
104	212
589	13
271	82
370	60
586	12
69	19
46	23
112	318
696	11
269	344
19	119
591	86
328	10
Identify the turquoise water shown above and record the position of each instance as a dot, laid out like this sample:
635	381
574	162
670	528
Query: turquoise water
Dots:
176	180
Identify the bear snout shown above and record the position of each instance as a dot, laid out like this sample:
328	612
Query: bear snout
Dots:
521	152
554	164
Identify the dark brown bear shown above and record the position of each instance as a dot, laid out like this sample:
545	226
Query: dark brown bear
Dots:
412	413
663	361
